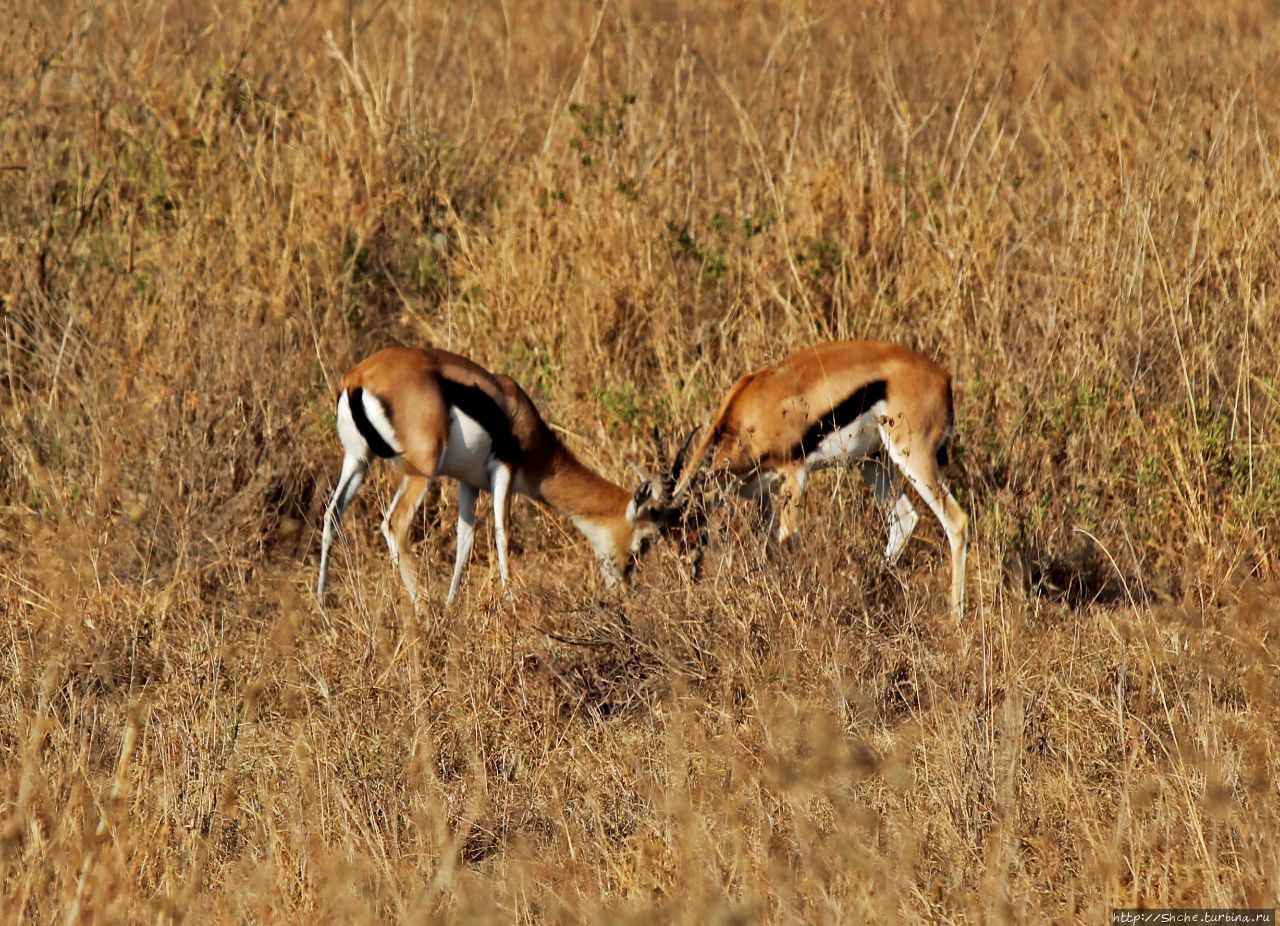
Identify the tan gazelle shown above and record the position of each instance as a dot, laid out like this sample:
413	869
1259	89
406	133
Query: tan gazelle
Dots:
841	402
434	413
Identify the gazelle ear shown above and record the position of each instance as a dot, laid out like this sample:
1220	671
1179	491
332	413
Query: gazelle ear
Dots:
641	501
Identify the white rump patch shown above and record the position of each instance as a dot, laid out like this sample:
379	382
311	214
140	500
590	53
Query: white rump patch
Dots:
377	415
352	442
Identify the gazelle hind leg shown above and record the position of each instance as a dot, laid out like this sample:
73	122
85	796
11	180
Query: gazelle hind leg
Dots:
500	484
466	536
903	516
386	519
395	527
919	465
353	470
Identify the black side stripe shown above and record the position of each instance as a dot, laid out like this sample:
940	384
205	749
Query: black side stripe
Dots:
479	405
844	414
380	448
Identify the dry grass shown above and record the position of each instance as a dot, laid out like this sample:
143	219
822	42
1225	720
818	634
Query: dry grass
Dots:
205	216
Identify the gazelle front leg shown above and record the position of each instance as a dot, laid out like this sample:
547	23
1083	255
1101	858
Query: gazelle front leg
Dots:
793	480
903	516
500	483
466	536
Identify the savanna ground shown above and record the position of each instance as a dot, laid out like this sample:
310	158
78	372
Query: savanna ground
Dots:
207	214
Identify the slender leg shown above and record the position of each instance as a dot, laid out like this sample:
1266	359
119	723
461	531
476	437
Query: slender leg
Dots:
395	527
386	520
501	485
423	448
466	535
919	466
353	470
903	517
795	479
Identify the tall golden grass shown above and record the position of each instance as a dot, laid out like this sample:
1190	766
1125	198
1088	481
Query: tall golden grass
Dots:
207	214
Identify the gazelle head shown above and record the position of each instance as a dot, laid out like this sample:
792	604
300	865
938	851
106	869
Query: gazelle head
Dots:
657	511
653	512
648	514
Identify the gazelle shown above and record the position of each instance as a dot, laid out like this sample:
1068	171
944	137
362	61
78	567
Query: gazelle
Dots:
841	402
434	413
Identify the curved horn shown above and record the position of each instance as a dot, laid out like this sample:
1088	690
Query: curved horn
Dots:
677	464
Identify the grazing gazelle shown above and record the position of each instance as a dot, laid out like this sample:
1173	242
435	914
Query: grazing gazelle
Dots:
434	413
839	402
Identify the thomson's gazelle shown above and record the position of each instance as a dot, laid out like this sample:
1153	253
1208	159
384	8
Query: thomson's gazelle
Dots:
841	402
434	413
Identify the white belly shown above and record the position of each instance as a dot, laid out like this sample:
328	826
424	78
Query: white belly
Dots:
856	440
468	452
